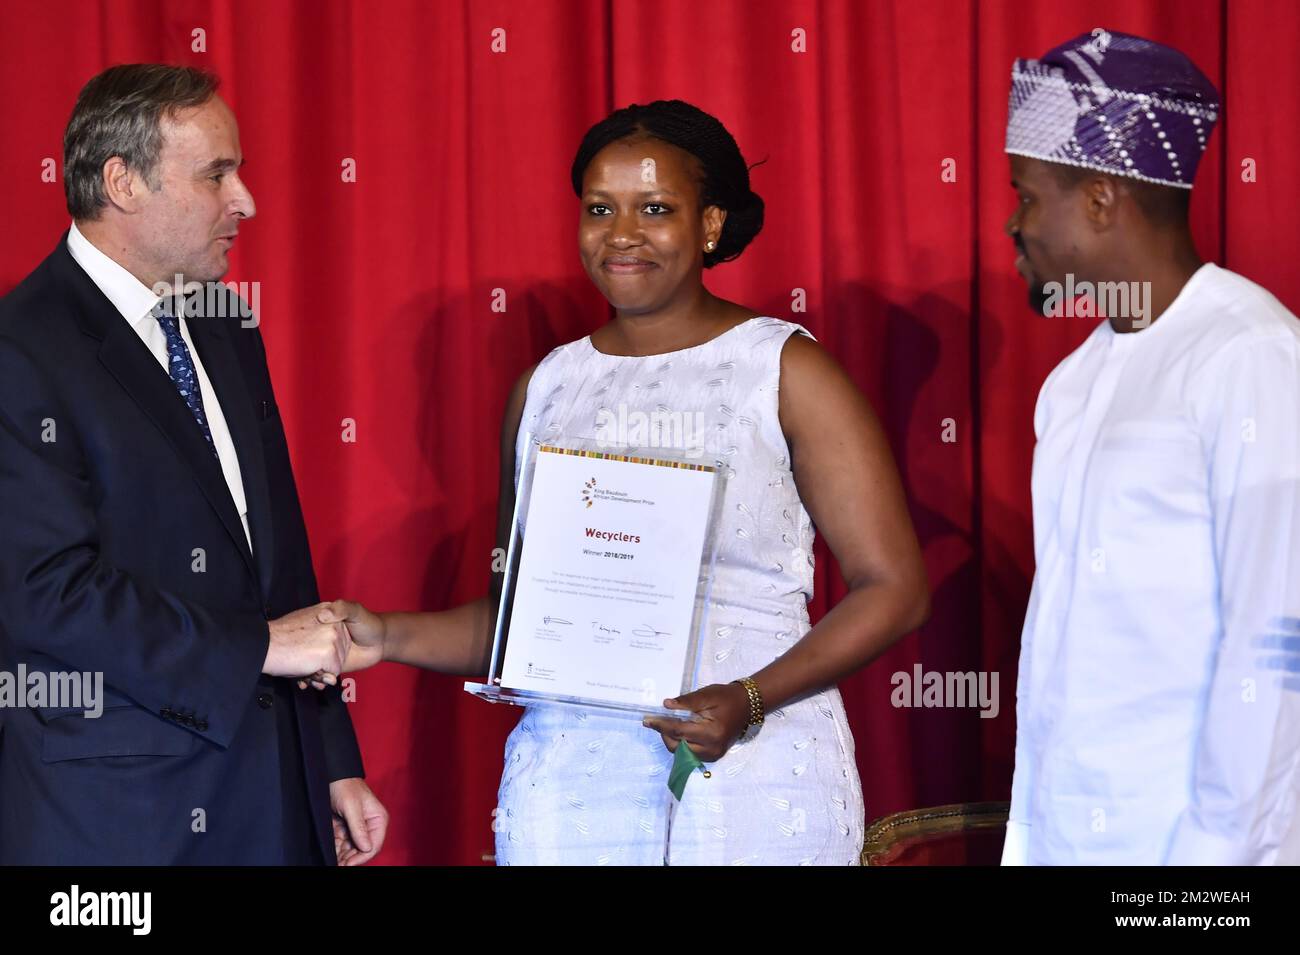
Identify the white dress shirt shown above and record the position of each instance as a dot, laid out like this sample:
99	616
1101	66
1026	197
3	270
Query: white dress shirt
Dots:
135	301
1157	720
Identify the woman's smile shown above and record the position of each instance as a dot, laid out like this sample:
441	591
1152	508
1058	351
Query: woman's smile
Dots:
627	265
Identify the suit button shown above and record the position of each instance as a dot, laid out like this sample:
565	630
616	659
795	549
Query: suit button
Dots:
201	726
264	700
166	712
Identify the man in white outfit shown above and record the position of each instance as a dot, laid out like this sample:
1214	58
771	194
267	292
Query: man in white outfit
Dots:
1158	704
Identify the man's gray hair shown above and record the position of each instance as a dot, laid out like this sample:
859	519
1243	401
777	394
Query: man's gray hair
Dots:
118	113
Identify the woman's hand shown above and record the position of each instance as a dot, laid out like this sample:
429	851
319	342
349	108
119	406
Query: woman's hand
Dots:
368	634
721	717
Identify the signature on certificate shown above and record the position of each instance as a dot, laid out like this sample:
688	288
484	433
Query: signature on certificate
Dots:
648	631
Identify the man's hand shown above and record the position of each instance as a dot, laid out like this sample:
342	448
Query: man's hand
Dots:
366	630
302	644
360	821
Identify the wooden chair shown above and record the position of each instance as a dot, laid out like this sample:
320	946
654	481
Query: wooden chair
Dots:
961	834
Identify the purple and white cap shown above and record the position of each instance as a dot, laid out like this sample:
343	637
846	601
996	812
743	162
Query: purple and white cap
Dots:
1116	103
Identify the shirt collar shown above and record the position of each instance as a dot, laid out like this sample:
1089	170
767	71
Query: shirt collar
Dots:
1170	317
131	297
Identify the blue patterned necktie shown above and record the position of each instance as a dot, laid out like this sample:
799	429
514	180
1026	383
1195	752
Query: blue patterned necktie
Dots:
180	365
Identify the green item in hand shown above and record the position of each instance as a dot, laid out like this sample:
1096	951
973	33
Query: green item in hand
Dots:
684	761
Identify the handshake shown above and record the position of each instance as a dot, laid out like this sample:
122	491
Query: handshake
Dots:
318	644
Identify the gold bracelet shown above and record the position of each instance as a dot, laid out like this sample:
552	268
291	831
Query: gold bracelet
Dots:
755	700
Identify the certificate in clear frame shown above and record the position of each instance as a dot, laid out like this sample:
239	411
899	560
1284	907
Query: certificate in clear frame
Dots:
604	599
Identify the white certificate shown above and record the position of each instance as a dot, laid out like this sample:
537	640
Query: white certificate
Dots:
605	593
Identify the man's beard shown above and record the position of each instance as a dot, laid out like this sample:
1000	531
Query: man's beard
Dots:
1038	296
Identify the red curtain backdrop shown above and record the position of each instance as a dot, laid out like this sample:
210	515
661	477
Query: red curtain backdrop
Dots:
376	296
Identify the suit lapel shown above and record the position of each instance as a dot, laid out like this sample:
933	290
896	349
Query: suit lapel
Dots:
128	360
138	372
217	352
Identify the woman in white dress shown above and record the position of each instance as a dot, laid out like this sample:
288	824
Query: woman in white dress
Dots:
665	194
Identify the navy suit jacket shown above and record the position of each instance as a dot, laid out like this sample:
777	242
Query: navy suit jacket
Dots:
108	491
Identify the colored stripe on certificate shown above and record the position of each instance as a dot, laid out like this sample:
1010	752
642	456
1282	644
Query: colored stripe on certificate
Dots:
604	455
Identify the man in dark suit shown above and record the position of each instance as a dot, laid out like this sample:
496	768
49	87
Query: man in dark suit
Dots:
151	527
